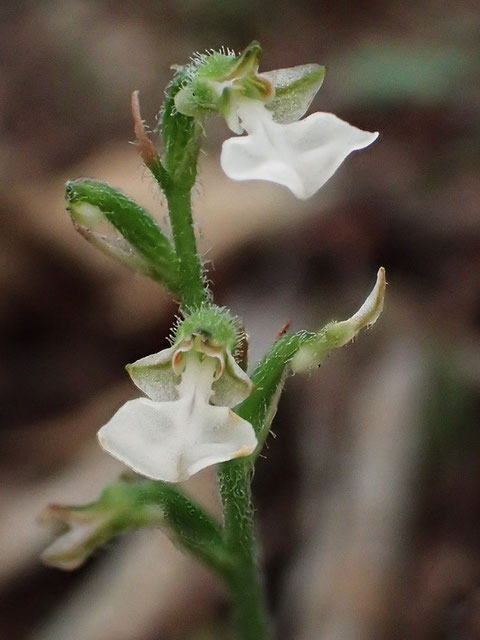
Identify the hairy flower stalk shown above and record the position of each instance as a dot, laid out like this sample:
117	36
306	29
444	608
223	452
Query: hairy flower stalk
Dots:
201	408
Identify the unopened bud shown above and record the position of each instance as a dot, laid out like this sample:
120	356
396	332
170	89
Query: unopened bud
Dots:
84	529
337	334
122	229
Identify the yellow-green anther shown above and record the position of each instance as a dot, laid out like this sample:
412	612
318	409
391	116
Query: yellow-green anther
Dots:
337	334
254	87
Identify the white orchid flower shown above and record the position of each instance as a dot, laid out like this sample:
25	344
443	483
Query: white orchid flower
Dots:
299	154
186	423
279	147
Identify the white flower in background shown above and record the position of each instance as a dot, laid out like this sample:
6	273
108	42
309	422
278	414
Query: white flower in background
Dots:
186	423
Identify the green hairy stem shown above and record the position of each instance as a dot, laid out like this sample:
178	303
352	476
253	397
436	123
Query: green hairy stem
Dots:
250	615
193	292
245	583
176	176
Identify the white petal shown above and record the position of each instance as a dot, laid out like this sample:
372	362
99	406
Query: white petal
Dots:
292	105
170	441
301	156
233	386
227	437
233	121
154	375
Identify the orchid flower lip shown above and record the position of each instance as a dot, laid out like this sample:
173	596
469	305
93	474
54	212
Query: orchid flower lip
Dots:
301	155
186	424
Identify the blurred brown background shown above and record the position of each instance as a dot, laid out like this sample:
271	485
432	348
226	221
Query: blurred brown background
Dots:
369	498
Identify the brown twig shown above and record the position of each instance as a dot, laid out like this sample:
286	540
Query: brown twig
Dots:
144	144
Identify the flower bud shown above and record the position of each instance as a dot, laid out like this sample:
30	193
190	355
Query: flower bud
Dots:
337	334
84	529
122	229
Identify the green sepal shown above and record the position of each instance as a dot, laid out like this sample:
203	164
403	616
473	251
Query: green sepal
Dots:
128	505
142	245
246	64
213	82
